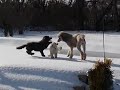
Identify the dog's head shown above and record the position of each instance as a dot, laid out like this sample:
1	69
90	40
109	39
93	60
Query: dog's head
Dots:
54	44
59	39
63	36
47	38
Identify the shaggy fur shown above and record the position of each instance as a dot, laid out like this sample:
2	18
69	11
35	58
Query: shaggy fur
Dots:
37	46
53	50
77	40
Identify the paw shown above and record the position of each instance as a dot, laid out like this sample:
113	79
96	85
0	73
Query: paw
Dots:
52	57
56	57
32	54
43	55
68	55
83	56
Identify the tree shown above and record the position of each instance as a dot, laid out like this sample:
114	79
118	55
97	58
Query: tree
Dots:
78	9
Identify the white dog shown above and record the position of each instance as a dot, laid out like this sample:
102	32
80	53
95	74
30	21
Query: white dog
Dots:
54	50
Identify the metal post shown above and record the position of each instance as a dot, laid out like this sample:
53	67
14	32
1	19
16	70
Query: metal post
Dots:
104	56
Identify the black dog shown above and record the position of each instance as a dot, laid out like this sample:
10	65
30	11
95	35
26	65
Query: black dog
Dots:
37	46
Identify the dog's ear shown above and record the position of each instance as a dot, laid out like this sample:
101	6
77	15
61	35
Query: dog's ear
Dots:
50	37
47	37
59	39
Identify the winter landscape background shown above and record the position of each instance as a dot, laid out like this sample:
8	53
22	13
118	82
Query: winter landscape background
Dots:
20	71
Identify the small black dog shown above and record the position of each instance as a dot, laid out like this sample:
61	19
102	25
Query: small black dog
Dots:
37	46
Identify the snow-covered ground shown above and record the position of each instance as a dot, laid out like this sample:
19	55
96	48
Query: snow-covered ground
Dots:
20	71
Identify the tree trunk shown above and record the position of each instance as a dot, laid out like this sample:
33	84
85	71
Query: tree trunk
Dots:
115	12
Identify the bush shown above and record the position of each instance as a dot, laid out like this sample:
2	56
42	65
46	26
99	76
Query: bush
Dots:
100	77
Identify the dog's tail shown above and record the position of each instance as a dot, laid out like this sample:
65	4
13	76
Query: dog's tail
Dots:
20	47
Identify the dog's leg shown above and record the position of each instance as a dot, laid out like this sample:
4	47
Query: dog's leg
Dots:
84	50
84	56
51	55
29	52
55	55
68	53
71	52
79	48
42	53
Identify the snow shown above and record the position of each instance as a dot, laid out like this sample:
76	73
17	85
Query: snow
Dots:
20	71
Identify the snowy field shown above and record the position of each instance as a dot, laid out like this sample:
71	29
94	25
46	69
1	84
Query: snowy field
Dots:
20	71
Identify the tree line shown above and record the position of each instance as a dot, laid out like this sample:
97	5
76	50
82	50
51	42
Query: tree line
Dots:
62	14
